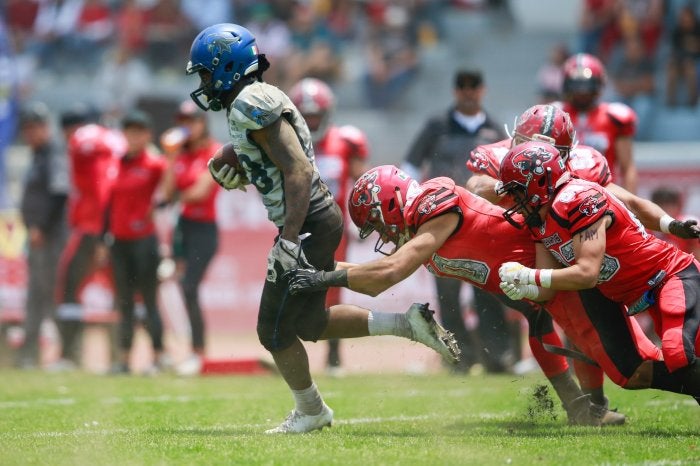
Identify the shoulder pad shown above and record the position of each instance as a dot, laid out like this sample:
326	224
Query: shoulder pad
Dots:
439	195
589	164
356	137
621	113
258	106
579	205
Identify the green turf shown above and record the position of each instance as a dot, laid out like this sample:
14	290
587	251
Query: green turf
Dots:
79	419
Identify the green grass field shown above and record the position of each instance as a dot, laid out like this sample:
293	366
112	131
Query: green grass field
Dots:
80	419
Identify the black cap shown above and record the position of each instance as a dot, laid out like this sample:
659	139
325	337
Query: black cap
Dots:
137	118
34	112
78	114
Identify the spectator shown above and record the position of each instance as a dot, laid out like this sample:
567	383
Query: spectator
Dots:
643	19
315	50
9	99
550	76
633	83
43	212
683	63
274	39
167	35
134	249
195	239
443	147
598	26
392	55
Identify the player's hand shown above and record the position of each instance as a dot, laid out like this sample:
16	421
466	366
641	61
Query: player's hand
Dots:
687	230
306	280
285	255
516	273
518	292
228	177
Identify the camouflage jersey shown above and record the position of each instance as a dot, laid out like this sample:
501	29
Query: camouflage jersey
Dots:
257	106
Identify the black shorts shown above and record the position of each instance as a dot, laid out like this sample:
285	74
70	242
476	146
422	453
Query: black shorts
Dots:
283	317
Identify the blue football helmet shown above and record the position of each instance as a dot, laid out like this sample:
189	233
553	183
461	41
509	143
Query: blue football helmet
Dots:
221	54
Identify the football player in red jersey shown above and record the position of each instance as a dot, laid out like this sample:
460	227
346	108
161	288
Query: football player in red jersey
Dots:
341	155
458	234
134	249
607	127
195	239
93	152
585	237
551	124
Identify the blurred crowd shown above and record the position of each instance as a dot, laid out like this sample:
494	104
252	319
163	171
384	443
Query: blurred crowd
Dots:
650	48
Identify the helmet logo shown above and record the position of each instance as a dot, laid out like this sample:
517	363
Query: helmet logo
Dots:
530	162
220	43
366	190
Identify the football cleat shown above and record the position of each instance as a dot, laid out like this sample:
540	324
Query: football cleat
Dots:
300	423
583	412
426	330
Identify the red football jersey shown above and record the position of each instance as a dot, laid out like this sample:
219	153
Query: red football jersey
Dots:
188	167
333	154
601	126
584	162
131	203
94	152
632	256
482	242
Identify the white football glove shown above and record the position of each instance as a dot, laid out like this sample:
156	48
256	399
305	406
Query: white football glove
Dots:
516	273
288	255
518	292
228	177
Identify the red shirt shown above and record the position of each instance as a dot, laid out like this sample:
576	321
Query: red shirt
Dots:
93	151
132	196
483	239
584	162
333	154
189	166
632	256
601	126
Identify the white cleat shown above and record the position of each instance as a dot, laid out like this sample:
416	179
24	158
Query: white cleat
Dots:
426	330
300	423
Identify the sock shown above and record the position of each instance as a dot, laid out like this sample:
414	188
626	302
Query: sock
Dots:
685	380
308	400
550	363
597	395
385	323
566	388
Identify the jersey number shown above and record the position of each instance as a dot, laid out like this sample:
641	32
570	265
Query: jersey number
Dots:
258	174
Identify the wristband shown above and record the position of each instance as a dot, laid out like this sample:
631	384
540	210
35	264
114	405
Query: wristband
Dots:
543	278
664	223
336	278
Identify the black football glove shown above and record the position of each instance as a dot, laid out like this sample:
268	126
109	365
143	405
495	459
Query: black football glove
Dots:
687	230
310	280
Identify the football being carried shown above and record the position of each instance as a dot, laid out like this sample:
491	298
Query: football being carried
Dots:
227	170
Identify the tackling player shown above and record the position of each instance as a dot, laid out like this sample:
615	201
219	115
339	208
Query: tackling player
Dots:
274	147
341	155
457	234
580	226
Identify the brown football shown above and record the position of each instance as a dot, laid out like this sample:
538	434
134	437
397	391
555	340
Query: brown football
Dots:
226	156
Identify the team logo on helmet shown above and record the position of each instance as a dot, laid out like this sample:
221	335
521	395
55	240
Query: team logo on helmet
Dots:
366	189
591	205
219	43
530	162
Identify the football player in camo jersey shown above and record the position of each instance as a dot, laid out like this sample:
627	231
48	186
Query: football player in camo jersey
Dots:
341	156
274	147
